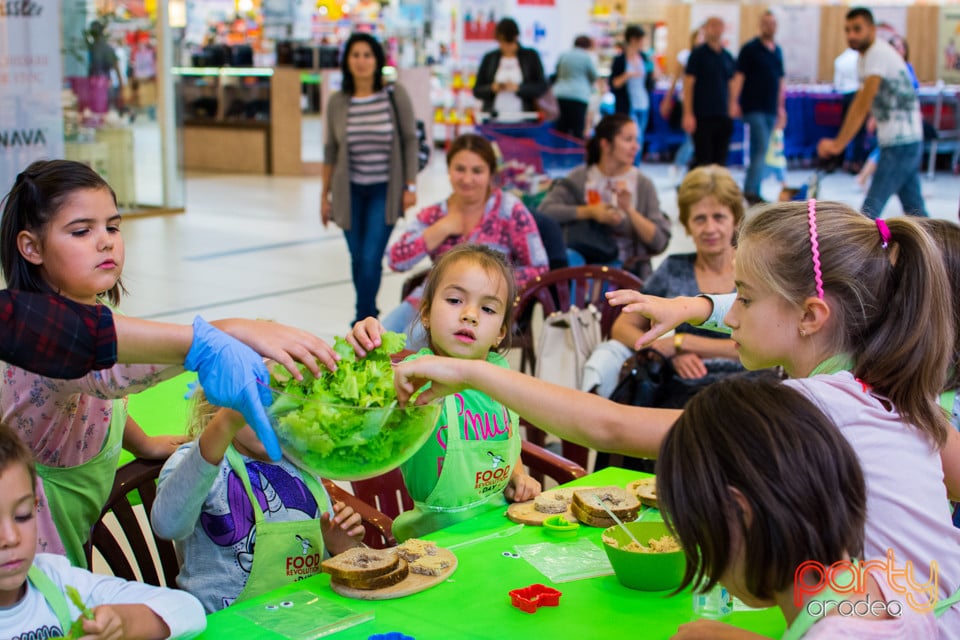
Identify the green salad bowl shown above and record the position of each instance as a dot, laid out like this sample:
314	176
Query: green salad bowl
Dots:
344	442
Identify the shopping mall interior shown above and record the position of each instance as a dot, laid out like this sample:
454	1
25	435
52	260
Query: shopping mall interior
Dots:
213	137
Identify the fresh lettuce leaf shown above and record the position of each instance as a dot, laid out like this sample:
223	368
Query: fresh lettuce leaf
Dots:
346	420
76	629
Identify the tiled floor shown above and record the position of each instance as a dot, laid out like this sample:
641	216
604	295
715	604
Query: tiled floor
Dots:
252	246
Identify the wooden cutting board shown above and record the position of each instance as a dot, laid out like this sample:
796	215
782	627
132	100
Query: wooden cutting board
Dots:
526	512
413	583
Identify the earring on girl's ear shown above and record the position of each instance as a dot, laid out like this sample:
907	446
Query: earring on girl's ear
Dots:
803	332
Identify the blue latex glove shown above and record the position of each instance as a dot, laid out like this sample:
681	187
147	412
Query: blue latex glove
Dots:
228	371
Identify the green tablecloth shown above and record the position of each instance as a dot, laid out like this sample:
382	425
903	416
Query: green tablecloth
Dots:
474	603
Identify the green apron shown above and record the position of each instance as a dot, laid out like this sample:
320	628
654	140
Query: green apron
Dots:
285	552
53	596
474	475
805	620
76	495
843	362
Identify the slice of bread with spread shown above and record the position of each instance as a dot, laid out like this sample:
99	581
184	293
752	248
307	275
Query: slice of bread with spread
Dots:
369	583
413	549
555	501
587	509
422	557
360	563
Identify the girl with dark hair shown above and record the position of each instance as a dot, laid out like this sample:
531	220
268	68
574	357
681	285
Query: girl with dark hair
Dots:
612	192
60	233
476	212
369	164
764	494
510	77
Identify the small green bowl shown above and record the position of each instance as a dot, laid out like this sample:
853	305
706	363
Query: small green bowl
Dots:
559	527
644	571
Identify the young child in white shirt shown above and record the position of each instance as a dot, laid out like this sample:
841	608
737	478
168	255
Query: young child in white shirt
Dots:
33	603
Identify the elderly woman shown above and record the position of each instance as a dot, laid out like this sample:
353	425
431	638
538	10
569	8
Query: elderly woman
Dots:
711	209
475	212
510	77
611	202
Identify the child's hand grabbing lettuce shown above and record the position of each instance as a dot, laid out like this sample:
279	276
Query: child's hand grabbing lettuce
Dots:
76	629
346	420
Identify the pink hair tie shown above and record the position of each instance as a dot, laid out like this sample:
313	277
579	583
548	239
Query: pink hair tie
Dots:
884	232
815	245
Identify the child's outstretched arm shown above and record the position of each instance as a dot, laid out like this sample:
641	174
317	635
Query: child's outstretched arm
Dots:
284	344
137	442
579	417
188	475
125	622
664	314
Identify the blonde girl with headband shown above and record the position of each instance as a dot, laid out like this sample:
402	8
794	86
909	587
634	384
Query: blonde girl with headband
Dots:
830	296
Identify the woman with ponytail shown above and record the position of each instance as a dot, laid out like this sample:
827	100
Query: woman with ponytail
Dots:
613	196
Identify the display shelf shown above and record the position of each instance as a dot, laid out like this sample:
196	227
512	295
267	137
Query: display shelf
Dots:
241	119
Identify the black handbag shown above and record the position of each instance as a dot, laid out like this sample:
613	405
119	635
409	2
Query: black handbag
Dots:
647	379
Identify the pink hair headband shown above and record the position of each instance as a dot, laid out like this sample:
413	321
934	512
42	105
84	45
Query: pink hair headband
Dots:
815	245
884	232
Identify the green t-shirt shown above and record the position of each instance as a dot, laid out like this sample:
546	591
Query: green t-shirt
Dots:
479	418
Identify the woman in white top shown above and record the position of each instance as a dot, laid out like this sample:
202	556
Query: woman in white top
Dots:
510	78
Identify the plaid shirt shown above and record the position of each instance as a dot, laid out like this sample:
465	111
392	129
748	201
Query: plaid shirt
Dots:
55	337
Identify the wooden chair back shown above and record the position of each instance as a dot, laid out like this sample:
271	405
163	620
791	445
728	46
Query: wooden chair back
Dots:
558	290
379	527
386	493
138	477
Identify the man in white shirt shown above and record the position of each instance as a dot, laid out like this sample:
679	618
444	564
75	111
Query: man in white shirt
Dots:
846	82
887	91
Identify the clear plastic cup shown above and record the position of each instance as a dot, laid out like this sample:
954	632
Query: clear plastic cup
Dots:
713	604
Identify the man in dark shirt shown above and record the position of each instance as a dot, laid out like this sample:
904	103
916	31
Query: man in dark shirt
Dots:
706	93
757	95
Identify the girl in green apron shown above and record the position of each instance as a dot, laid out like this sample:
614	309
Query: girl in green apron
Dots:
243	524
60	232
767	497
471	461
32	585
